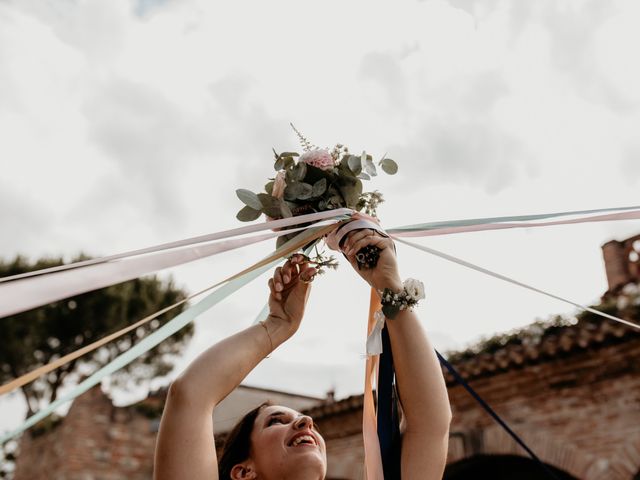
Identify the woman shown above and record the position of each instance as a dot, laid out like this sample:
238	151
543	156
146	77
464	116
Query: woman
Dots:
277	443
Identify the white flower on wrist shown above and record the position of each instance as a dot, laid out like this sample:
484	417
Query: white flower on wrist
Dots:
414	289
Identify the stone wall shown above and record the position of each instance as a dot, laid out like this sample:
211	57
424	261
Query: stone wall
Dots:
579	410
579	413
95	441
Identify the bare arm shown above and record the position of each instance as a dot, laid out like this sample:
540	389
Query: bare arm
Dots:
421	386
186	446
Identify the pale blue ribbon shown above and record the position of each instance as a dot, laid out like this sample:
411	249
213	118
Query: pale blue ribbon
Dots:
153	339
517	218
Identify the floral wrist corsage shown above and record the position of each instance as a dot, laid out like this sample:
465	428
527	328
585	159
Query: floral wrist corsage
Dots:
392	303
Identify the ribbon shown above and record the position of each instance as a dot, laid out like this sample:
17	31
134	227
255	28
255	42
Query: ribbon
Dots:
358	221
180	321
388	418
374	339
372	456
32	375
27	293
498	220
515	282
270	225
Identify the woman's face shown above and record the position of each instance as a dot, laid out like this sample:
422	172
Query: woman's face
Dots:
286	445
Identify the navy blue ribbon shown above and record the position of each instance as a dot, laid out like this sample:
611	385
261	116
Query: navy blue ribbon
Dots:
387	412
388	418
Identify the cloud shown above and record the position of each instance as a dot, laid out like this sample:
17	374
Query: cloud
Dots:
453	150
23	223
630	164
385	70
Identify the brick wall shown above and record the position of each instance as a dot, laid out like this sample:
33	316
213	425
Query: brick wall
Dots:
96	441
622	262
580	413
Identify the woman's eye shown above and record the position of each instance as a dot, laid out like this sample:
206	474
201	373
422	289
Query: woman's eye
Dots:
274	420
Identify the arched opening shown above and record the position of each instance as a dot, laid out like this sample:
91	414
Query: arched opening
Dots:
500	467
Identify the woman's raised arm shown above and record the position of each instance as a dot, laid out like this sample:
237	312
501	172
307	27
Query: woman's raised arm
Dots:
186	446
421	387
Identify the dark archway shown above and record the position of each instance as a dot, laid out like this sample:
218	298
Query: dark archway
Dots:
500	467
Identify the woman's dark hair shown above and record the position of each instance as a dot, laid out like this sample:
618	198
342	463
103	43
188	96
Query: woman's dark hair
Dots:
237	446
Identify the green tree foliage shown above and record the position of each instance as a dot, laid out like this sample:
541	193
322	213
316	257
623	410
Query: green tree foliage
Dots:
34	338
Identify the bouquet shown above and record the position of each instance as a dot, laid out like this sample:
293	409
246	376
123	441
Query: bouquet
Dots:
320	179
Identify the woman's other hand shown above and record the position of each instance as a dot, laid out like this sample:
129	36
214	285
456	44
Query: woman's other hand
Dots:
385	274
290	287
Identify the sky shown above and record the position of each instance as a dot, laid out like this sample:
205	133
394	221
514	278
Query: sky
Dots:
129	123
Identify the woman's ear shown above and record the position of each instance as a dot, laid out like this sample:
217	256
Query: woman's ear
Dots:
243	471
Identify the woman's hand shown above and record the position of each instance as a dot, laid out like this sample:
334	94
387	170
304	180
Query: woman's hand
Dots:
385	274
290	287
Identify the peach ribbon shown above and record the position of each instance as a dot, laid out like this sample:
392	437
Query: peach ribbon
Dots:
372	456
295	244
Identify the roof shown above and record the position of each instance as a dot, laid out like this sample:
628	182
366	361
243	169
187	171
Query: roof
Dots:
552	343
537	343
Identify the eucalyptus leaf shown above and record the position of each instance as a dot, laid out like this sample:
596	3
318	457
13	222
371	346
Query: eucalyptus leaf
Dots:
289	162
306	193
248	214
319	187
289	154
364	176
369	167
389	166
279	164
344	170
285	211
268	188
292	191
267	200
390	311
299	171
249	198
355	164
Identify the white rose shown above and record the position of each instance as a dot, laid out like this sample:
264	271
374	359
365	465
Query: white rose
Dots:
414	289
622	303
630	289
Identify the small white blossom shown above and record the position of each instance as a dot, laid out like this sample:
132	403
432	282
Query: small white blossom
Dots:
414	289
622	303
631	289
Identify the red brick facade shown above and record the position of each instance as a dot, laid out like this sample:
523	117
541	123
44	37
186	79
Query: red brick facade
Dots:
572	394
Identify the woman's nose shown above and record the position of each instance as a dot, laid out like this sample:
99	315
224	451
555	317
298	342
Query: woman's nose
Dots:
304	421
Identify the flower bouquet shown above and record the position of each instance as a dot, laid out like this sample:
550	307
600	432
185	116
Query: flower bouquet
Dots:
320	179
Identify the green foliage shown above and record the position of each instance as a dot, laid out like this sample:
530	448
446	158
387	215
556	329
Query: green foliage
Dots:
389	166
249	198
310	189
36	337
248	214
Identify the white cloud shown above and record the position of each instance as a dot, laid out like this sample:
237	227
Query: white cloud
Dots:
126	124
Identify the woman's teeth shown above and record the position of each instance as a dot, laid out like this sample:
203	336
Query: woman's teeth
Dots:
303	439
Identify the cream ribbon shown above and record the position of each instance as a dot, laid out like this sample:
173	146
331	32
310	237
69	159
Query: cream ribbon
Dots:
374	339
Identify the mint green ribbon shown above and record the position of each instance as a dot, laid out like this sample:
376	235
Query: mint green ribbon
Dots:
153	339
517	218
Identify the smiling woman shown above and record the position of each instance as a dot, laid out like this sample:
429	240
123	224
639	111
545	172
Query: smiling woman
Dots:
284	442
275	442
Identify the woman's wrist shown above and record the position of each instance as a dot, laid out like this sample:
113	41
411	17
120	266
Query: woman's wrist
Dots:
393	284
278	331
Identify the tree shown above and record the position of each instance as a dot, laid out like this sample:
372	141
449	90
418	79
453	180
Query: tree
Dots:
34	338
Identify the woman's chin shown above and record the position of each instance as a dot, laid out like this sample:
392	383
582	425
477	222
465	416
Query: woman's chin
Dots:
308	458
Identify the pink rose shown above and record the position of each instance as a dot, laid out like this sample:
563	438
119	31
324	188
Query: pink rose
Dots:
319	158
279	184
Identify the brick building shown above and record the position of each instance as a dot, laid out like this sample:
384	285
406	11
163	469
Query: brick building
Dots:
570	389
